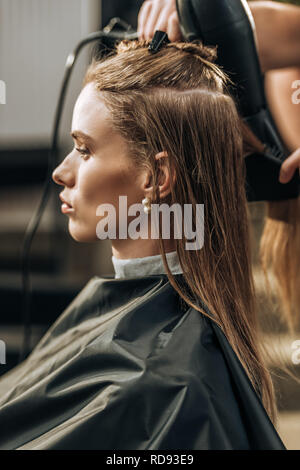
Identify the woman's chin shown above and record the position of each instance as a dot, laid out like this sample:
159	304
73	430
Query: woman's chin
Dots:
82	235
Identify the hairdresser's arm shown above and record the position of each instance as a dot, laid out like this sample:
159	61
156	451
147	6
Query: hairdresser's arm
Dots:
278	34
289	167
158	14
277	29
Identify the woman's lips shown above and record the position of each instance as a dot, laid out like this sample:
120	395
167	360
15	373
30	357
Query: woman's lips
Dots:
66	209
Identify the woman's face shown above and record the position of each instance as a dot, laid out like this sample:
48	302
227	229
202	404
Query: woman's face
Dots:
97	170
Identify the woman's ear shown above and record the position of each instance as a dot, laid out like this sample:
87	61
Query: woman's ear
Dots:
163	178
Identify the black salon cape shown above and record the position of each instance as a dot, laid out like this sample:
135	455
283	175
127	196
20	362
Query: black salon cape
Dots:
126	366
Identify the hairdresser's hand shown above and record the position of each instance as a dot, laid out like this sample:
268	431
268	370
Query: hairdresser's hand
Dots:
159	14
289	167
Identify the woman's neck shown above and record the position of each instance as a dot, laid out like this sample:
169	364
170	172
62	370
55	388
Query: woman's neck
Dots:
129	249
135	258
145	266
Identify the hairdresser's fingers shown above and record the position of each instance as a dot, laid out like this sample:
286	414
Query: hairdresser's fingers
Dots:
289	167
143	18
159	14
160	9
166	18
173	31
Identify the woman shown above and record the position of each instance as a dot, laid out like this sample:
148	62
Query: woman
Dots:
166	355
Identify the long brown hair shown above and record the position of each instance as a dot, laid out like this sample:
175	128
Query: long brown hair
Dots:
280	246
176	101
280	255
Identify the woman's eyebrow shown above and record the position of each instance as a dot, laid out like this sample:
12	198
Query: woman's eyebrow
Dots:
81	135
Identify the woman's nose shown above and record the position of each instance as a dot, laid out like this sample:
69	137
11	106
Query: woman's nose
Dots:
63	174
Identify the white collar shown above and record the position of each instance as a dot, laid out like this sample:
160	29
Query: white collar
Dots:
139	267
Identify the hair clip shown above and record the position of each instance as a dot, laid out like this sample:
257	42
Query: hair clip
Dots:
159	39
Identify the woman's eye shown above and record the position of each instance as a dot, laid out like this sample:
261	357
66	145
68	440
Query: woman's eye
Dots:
83	152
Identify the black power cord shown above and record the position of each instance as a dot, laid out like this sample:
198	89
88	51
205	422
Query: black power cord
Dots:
33	225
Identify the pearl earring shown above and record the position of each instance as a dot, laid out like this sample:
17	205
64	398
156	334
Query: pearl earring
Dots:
147	205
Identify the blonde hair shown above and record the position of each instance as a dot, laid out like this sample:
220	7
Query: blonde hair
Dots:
176	101
280	254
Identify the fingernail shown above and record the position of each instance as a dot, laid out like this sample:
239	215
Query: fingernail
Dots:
283	176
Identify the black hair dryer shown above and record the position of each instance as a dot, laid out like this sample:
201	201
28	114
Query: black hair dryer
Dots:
229	25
